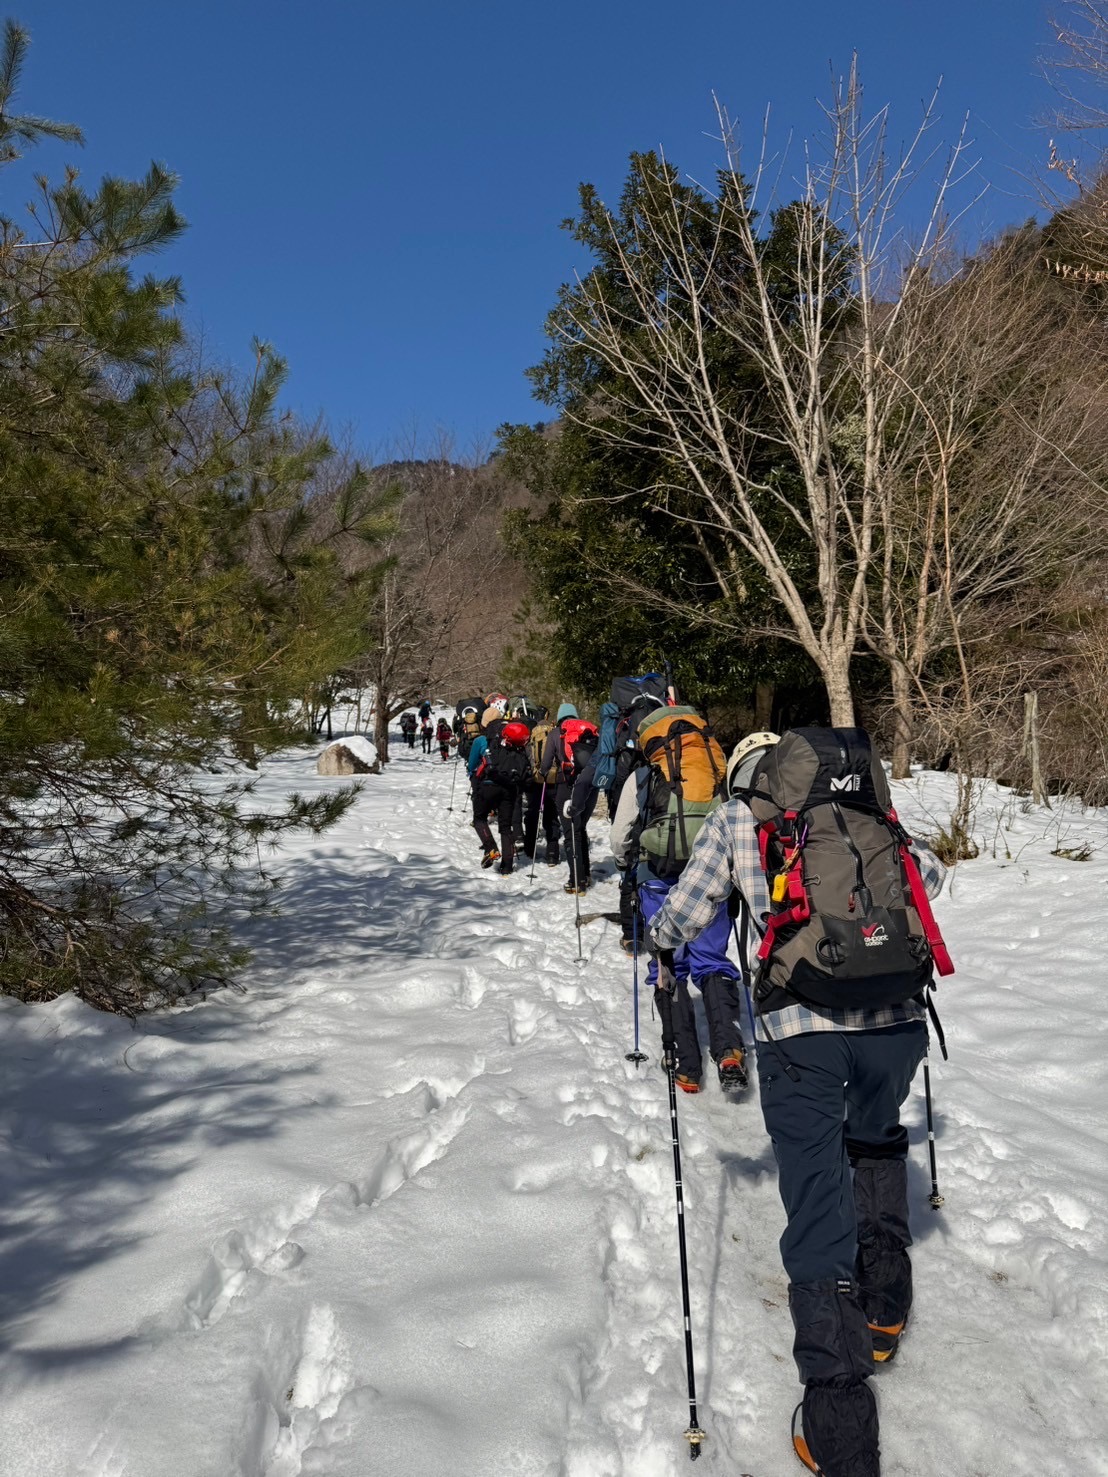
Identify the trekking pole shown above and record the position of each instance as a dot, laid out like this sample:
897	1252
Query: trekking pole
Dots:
935	1200
663	996
453	782
744	965
576	897
535	845
637	1056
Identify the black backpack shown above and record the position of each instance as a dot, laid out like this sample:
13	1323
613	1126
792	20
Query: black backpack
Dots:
508	760
850	925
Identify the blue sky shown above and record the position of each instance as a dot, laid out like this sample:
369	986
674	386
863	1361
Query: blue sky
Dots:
377	189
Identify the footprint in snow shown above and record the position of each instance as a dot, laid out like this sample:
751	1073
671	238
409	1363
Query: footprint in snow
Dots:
314	1409
239	1263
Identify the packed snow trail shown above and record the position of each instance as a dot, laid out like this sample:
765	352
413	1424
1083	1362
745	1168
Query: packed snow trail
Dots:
404	1207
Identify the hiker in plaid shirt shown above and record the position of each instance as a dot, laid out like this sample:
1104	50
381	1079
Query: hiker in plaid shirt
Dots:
831	1082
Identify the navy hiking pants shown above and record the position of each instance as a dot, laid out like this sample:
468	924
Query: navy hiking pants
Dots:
843	1111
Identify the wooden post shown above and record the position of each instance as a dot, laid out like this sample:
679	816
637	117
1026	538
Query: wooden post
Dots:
1031	746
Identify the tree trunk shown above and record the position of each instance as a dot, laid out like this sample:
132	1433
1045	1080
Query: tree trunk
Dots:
381	727
835	670
1031	747
902	720
764	694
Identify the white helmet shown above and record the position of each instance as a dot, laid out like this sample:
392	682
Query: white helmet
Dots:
744	758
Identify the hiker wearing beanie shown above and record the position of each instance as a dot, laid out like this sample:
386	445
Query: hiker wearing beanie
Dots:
570	753
839	894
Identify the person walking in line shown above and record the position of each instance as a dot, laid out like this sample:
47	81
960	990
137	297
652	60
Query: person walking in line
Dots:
569	750
408	728
661	807
426	734
499	763
444	734
840	895
544	810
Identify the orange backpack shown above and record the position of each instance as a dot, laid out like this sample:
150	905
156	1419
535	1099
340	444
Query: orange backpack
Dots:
686	784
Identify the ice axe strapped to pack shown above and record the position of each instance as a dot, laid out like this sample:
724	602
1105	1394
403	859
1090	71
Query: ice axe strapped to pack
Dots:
851	925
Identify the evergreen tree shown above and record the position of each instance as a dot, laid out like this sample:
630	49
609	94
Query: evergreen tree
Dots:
625	567
170	591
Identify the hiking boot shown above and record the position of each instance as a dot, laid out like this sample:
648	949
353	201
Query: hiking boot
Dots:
490	857
886	1341
571	887
628	946
505	870
731	1066
687	1082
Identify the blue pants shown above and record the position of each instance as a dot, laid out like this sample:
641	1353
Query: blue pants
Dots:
706	961
843	1110
707	954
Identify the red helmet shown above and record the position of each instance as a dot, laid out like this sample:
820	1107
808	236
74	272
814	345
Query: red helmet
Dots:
515	735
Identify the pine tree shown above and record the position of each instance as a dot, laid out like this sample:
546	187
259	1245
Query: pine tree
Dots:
170	591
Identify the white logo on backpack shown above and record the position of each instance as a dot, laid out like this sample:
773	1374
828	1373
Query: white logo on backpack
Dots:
848	782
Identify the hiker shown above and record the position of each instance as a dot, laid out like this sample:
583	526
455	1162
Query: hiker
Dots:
426	734
444	736
408	728
841	1029
529	802
618	756
498	764
655	827
570	752
425	711
466	725
540	797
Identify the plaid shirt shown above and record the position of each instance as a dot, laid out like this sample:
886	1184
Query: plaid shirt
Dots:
725	858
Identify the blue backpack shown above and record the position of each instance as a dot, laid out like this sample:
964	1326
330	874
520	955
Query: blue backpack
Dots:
630	698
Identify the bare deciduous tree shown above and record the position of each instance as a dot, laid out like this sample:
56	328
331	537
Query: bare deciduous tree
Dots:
1001	422
822	334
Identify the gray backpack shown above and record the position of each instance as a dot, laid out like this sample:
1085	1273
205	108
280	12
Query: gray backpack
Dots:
850	924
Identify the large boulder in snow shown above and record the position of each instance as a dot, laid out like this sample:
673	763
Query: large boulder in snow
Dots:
352	755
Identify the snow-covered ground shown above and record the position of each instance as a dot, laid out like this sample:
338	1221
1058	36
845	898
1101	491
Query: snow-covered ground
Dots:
402	1206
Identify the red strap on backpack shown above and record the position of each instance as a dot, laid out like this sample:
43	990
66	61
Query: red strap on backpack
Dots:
922	904
800	907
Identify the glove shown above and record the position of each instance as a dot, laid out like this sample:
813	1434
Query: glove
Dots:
567	810
667	979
